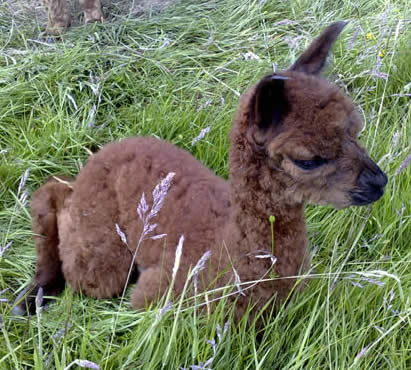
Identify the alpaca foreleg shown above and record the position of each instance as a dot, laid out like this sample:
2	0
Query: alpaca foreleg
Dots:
59	18
92	11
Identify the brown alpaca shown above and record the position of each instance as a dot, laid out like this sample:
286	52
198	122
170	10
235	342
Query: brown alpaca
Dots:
59	18
293	141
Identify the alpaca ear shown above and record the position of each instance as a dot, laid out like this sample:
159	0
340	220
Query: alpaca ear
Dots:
313	59
268	106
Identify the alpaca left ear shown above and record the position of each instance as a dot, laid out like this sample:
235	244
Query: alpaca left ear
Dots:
268	106
312	61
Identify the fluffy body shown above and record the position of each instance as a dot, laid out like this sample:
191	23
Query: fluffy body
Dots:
293	141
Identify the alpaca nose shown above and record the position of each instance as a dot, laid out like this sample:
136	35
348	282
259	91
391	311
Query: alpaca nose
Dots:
371	183
372	178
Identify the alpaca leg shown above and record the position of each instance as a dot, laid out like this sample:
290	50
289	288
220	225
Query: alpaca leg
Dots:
58	16
45	204
92	11
151	285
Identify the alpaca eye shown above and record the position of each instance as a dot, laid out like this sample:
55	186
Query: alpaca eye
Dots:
310	164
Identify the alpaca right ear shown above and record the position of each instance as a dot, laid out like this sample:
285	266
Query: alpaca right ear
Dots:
312	61
268	106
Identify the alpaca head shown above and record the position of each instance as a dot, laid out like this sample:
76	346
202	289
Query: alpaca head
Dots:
303	132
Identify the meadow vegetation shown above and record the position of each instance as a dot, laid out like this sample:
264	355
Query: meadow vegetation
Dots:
175	74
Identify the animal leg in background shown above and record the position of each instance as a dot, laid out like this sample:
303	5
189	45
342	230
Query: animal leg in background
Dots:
92	10
59	17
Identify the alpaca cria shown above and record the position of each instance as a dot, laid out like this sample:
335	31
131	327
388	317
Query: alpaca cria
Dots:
293	141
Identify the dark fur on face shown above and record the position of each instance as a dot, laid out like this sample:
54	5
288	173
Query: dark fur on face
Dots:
293	141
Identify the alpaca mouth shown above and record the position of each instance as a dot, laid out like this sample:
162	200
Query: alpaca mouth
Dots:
362	198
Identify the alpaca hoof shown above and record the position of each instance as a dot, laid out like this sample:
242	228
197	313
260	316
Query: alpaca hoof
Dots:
56	29
93	16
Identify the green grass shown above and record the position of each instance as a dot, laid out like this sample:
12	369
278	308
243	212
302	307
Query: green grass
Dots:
171	75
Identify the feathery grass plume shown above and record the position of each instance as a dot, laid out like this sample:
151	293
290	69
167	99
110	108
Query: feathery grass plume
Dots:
179	251
121	235
395	139
95	86
164	309
3	151
351	278
177	259
354	37
39	300
292	42
3	300
375	72
264	254
200	265
83	363
201	135
237	282
284	22
168	305
39	309
123	238
204	105
3	249
72	101
214	345
377	274
249	55
403	165
23	180
388	306
57	338
361	353
22	194
159	195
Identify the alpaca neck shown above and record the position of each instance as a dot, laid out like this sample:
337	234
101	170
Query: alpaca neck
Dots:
251	217
253	233
253	202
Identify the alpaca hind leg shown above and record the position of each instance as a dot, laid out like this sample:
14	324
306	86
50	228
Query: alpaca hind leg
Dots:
45	204
151	285
92	11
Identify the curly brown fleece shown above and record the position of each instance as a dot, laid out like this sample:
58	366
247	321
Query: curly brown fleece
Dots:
293	141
